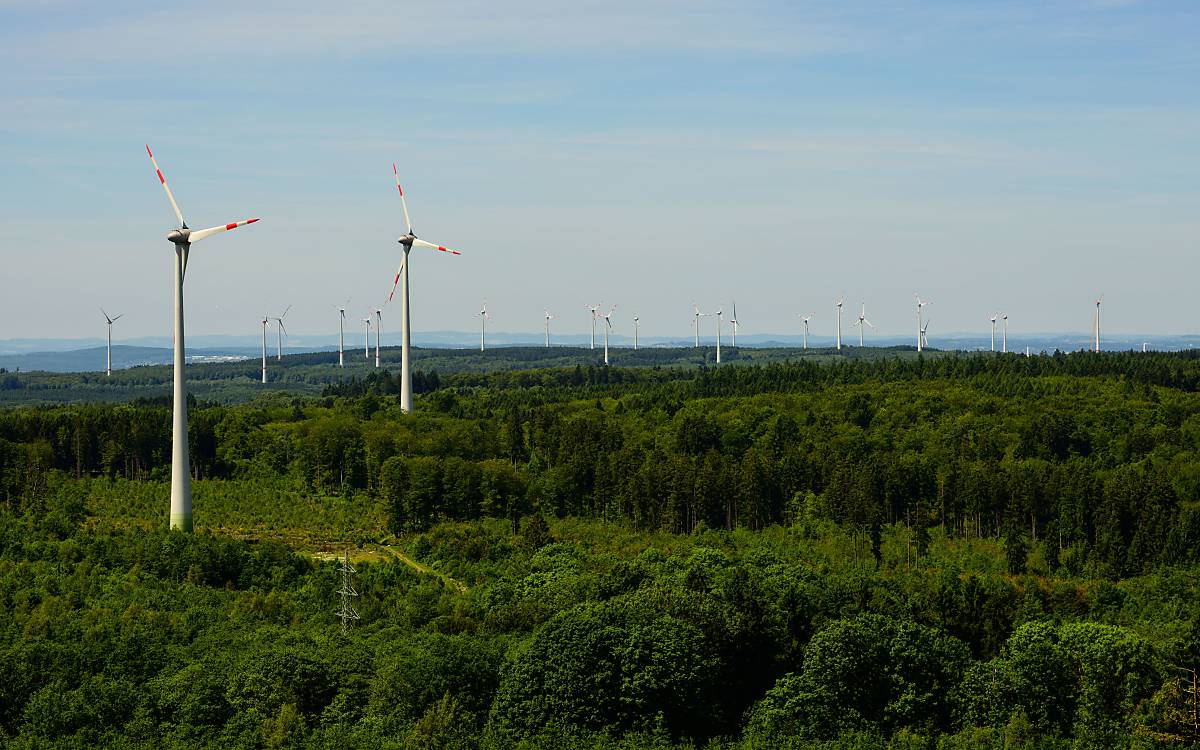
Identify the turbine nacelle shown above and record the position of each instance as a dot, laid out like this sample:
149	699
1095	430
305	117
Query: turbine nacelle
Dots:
180	236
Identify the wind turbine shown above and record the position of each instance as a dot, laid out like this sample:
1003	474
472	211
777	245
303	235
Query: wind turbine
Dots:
805	318
341	334
993	319
636	323
718	314
924	338
181	479
408	241
483	319
367	338
593	309
696	316
265	321
920	330
1004	336
862	322
549	318
840	301
279	332
733	323
607	327
109	321
1097	322
378	332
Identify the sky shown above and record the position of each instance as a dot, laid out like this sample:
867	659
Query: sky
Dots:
1011	157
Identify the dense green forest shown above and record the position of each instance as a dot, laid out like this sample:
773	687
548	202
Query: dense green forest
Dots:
932	552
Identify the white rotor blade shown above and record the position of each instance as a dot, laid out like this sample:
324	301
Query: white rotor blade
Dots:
197	236
396	283
431	246
163	180
403	203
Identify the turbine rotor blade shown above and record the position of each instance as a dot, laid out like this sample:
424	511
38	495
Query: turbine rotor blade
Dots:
197	236
403	203
431	246
396	283
163	180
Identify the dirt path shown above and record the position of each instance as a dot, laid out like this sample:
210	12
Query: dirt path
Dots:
453	583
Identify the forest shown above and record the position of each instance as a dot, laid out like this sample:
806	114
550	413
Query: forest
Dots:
900	552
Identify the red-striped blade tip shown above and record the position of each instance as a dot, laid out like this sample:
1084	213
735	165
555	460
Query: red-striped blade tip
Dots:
148	151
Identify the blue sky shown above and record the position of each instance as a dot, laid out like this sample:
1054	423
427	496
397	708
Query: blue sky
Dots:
1018	157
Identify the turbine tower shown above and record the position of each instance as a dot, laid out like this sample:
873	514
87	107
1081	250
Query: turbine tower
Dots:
549	318
636	323
483	319
593	309
696	316
733	323
181	479
806	318
378	333
1096	325
607	327
920	329
109	321
367	338
1004	335
265	321
279	333
862	323
840	301
718	313
342	334
408	241
993	319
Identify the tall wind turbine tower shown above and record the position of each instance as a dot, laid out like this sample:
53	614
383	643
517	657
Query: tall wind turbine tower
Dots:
265	321
367	338
483	319
378	333
549	318
993	319
840	302
342	334
696	316
181	479
408	241
733	323
862	323
718	313
593	309
920	329
607	327
1097	323
108	322
279	333
636	323
806	318
1004	335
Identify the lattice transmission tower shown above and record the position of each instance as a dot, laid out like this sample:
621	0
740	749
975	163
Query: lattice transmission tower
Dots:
346	612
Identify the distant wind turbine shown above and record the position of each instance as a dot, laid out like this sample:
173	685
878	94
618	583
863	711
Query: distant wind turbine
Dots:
483	319
342	334
279	334
1004	335
265	321
805	318
636	323
549	318
696	316
1096	324
920	330
718	313
108	324
181	478
733	323
924	338
378	333
840	302
607	327
367	338
993	319
862	323
593	309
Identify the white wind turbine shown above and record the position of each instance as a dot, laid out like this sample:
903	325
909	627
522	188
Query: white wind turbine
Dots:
549	318
593	309
718	313
108	323
920	330
378	333
342	334
993	319
840	302
181	479
265	321
696	316
607	327
408	241
1096	322
805	318
1004	335
279	334
733	323
862	323
636	324
924	338
483	319
367	338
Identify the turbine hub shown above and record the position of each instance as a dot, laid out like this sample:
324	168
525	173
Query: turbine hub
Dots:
407	240
180	236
